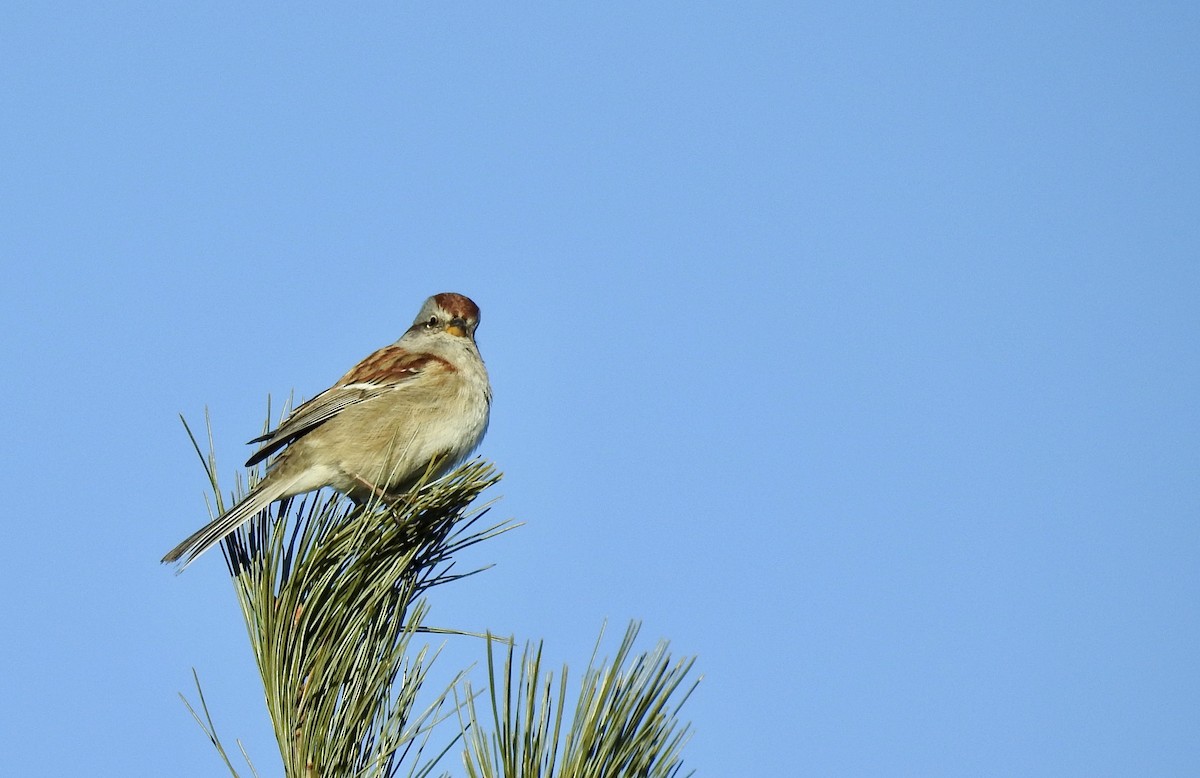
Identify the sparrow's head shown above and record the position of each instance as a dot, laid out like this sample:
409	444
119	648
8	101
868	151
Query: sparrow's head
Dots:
448	312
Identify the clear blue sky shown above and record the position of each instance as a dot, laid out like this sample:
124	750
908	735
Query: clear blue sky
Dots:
853	347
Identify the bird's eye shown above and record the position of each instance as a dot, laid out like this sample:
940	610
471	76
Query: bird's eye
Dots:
433	321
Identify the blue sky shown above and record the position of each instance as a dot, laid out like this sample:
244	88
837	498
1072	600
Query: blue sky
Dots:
852	347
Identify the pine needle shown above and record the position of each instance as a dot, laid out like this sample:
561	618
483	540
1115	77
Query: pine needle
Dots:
625	722
332	596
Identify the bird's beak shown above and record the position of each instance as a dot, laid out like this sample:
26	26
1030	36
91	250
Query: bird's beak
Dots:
457	327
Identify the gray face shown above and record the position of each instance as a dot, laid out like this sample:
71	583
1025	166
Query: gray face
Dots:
448	312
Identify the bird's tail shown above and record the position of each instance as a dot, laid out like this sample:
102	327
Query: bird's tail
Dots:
263	494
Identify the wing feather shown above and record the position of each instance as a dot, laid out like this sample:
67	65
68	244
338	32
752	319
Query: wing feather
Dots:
386	370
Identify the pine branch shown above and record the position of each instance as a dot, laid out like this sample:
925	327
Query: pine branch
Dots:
331	596
625	723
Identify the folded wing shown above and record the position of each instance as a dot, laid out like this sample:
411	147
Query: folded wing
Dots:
387	370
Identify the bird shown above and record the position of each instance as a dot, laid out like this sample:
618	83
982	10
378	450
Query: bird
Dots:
418	407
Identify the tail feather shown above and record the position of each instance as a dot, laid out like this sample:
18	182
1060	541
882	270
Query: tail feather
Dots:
266	492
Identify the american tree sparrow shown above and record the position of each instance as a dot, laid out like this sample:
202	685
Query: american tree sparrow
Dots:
421	402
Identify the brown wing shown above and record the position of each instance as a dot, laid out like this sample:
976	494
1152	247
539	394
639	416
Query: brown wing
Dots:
385	371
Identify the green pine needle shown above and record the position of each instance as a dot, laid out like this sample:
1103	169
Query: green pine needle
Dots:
625	723
331	596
